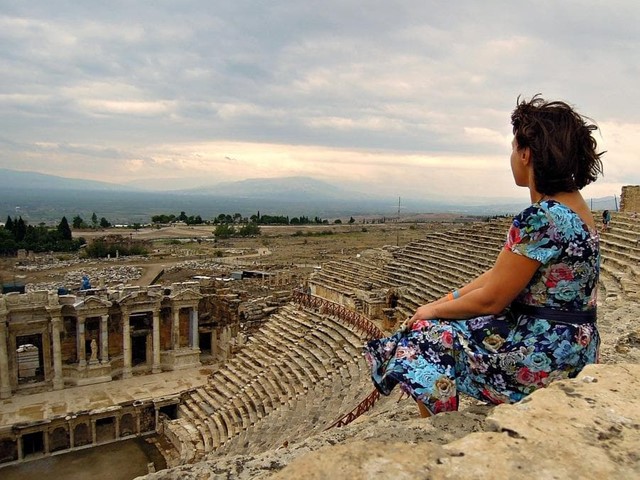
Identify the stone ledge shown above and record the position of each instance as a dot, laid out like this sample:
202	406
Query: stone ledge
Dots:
587	428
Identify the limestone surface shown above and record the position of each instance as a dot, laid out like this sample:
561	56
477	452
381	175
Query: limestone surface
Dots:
584	428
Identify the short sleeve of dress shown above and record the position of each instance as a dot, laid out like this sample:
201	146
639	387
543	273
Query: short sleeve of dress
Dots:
532	235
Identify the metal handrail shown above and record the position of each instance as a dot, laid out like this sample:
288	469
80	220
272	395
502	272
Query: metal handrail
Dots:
363	407
355	319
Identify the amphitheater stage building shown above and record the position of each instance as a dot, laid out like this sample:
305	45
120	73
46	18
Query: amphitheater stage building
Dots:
61	421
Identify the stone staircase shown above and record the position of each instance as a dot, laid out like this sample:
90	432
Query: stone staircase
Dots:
282	377
620	250
442	261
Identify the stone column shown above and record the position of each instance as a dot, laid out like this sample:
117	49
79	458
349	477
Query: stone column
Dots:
45	442
58	381
5	383
226	343
80	343
175	329
195	339
94	433
155	367
20	448
126	345
104	339
72	433
214	344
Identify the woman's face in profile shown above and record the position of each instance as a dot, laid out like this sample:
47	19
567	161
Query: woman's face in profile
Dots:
517	166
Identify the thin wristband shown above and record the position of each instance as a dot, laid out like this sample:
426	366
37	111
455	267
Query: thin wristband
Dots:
455	294
450	296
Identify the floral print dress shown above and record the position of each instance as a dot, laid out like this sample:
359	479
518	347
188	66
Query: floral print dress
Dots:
503	358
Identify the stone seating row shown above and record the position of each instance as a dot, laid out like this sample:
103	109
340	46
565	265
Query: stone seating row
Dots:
431	254
467	250
624	222
429	266
461	241
305	415
618	278
623	233
620	257
275	367
464	262
423	281
349	267
620	266
349	276
621	247
428	269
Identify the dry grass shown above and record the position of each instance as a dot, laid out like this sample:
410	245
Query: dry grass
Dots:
287	246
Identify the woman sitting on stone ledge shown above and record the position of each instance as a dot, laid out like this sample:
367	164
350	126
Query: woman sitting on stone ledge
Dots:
531	318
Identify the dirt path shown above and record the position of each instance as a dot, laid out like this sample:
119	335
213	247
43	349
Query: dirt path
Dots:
150	272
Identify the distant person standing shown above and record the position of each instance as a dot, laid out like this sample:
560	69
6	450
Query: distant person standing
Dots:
606	219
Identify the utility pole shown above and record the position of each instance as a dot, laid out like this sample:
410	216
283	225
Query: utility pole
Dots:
398	225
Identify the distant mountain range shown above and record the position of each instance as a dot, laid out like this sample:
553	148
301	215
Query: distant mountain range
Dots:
15	179
295	189
46	198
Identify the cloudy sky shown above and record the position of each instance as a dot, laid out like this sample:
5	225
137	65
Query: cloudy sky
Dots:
405	97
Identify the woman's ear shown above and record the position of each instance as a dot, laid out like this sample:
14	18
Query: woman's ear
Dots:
525	156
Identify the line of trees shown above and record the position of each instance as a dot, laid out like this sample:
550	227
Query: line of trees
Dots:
17	234
238	219
183	217
113	246
78	222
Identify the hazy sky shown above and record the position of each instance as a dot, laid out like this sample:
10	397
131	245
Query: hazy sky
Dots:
407	97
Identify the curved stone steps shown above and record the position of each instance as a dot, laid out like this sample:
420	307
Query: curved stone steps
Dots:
306	414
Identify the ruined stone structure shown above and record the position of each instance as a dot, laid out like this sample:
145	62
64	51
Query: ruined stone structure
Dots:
296	373
52	342
96	336
630	199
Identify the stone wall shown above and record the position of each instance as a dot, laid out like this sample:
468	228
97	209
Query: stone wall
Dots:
630	200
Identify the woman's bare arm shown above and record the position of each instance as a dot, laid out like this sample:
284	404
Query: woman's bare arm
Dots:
488	294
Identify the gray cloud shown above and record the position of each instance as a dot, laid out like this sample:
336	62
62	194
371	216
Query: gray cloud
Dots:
113	79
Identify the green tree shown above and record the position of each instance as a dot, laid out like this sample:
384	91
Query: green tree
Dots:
9	225
163	218
249	229
104	223
194	220
77	222
8	244
64	229
352	221
224	230
94	220
20	230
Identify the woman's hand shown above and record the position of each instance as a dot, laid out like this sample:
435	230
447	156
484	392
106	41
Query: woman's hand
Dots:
425	312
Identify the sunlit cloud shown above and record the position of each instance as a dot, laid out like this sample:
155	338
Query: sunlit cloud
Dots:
410	98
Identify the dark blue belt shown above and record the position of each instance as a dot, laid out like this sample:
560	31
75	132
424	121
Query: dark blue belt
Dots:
555	315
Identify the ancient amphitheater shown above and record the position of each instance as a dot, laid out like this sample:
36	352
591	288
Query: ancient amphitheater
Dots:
292	398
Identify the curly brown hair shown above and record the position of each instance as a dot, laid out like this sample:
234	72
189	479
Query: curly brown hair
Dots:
563	150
